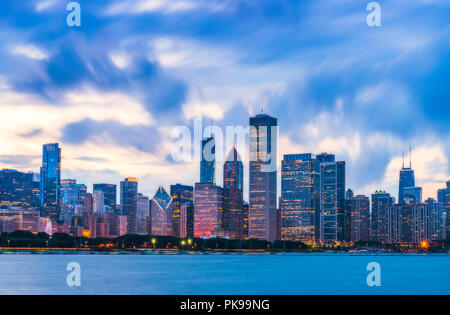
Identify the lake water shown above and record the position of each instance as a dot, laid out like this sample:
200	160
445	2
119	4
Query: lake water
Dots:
253	274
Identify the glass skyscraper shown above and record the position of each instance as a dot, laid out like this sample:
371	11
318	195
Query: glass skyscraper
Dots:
110	193
182	222
128	202
233	191
50	180
263	178
332	200
208	161
406	180
300	180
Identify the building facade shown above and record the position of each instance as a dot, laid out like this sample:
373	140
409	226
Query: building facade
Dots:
300	184
110	195
50	180
128	202
233	193
332	202
378	229
263	177
182	222
360	219
161	212
208	210
208	161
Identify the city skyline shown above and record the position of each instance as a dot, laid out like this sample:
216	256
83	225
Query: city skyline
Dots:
335	85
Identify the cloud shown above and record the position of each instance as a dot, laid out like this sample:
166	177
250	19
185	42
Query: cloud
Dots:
29	51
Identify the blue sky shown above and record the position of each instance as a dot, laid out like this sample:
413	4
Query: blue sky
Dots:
112	90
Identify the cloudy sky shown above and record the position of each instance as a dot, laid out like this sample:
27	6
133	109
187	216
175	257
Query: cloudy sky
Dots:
112	90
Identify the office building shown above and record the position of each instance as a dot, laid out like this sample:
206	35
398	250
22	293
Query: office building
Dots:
161	212
208	209
263	177
128	202
50	180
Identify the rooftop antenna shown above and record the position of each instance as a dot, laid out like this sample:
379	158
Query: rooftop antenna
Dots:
403	159
211	129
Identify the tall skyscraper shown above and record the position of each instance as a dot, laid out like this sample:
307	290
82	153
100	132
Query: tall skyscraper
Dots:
263	178
406	180
360	218
161	211
50	180
332	201
182	195
110	194
208	209
128	202
233	192
208	161
380	201
300	180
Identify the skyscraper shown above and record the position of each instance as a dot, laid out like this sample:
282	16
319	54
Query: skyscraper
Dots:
233	192
128	202
300	182
360	218
406	180
182	196
208	161
50	180
378	229
332	201
110	194
161	212
143	215
409	223
208	209
263	178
